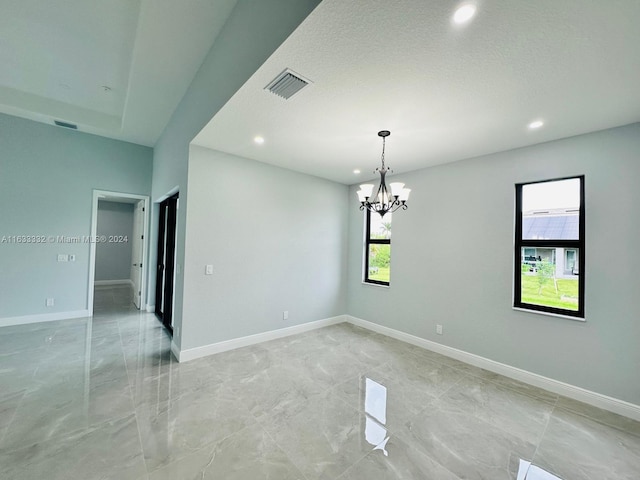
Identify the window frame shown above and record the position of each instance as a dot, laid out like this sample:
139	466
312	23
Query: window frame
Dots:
372	241
578	244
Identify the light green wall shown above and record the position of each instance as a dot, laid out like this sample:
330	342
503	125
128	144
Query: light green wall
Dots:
452	263
47	177
113	259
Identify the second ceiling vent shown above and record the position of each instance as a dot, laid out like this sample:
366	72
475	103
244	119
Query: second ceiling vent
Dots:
287	84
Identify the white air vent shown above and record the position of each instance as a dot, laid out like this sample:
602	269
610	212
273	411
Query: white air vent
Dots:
287	84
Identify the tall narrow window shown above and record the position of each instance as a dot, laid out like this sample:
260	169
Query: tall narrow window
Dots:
549	246
377	264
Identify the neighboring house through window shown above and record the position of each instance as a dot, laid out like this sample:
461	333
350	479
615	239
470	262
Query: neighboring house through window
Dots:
549	246
377	262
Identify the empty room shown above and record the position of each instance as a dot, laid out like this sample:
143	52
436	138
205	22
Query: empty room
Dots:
319	239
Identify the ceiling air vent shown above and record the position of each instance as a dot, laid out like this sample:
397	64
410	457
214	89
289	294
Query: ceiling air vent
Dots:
287	84
65	124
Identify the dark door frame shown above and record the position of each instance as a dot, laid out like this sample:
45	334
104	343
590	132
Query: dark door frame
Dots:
165	264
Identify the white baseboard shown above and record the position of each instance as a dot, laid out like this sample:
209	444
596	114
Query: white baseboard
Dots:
193	353
124	281
43	317
151	308
577	393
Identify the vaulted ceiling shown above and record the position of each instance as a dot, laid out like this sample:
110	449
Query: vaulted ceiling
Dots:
446	91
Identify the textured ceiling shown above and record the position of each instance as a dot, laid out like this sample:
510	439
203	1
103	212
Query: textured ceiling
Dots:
57	55
446	92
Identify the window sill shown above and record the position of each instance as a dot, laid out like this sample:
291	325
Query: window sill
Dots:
375	285
549	314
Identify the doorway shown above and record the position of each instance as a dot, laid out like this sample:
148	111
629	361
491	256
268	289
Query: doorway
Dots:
137	247
166	261
132	271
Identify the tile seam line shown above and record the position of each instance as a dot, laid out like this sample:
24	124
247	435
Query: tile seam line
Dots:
544	432
133	403
280	448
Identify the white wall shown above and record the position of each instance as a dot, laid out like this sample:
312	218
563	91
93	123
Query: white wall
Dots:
276	239
113	259
452	263
252	33
47	177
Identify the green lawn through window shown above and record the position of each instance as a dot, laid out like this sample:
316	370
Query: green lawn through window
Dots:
381	275
566	297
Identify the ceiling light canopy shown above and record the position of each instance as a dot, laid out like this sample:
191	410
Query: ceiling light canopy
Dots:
464	13
383	201
258	139
536	124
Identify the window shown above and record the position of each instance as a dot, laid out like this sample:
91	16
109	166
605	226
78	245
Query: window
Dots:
549	246
377	262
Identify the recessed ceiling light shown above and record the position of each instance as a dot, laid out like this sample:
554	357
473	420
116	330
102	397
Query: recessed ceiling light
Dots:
356	171
464	13
259	140
536	124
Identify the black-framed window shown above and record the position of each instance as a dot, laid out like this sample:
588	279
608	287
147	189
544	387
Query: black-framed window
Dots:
377	254
550	246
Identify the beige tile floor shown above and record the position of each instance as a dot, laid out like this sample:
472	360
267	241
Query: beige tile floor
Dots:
102	398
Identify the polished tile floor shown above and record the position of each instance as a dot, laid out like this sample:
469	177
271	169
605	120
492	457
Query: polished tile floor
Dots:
103	399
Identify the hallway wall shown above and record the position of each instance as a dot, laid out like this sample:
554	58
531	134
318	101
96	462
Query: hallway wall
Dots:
47	178
113	259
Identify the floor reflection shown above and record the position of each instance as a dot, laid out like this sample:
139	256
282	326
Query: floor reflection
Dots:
376	433
528	471
105	398
375	408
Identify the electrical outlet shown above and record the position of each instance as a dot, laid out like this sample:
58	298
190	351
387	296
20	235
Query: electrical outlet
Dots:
49	302
208	270
439	329
285	315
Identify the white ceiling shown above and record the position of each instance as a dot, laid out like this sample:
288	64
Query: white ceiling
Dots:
446	92
56	56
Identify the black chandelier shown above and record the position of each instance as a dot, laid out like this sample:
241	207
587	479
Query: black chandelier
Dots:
383	201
